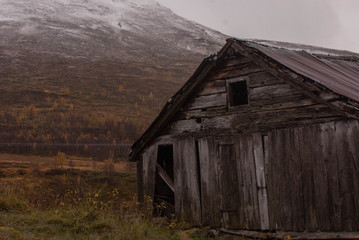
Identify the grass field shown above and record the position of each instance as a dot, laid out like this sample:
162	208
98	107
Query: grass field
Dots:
84	201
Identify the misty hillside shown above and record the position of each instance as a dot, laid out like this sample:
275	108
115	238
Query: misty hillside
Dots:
92	71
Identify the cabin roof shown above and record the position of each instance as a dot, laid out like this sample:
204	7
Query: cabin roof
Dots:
334	69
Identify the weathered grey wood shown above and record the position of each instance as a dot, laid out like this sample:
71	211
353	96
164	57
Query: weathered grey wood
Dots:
273	181
329	156
178	169
304	175
292	235
295	174
242	219
186	182
229	184
249	186
209	182
229	62
206	191
213	87
264	78
353	140
291	101
310	88
237	70
286	194
235	120
213	100
311	220
149	170
242	120
345	177
320	177
140	190
278	90
167	179
258	152
181	126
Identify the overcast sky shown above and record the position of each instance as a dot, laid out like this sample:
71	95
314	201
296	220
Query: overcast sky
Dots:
325	23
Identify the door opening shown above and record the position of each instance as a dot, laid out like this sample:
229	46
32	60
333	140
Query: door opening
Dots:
164	187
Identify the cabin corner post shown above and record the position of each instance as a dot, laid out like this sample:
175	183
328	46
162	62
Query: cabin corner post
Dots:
140	192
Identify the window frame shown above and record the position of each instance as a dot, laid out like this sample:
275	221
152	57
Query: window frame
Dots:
228	91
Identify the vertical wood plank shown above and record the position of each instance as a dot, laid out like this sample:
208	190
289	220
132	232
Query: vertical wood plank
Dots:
145	160
149	157
345	171
152	161
297	185
187	183
320	168
242	220
229	187
330	157
205	181
273	203
286	195
311	222
353	139
177	181
258	152
140	190
250	196
209	182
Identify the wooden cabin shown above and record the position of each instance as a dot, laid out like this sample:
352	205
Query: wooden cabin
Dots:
263	137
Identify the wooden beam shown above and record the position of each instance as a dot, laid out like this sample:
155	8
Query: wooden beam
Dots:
292	235
165	177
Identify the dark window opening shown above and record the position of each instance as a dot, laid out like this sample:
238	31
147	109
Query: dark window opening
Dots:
164	187
238	94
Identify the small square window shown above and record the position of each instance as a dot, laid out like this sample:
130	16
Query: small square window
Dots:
237	93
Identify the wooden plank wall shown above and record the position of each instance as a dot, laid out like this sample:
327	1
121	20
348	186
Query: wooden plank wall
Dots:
228	182
149	160
313	177
310	178
186	180
249	213
210	185
273	103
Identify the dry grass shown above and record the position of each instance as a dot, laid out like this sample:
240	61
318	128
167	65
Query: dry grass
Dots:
15	164
40	202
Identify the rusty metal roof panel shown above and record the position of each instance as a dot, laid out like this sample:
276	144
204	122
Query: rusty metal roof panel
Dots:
341	75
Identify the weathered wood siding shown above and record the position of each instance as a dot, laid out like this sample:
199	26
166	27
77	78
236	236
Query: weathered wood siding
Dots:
149	160
285	161
273	103
186	174
313	177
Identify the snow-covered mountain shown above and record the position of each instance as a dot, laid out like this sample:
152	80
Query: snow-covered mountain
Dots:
78	58
131	29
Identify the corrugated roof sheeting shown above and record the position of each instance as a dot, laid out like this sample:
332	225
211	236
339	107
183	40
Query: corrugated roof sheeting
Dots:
339	75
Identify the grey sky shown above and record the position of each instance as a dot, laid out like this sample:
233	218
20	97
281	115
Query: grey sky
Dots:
326	23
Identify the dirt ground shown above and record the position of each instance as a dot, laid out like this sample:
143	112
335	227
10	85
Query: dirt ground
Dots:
11	163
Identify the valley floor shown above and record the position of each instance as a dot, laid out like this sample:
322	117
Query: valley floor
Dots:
86	200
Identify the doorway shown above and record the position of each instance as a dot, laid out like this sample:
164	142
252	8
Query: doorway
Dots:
164	187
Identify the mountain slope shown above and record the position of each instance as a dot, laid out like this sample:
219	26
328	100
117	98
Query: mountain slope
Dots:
68	68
